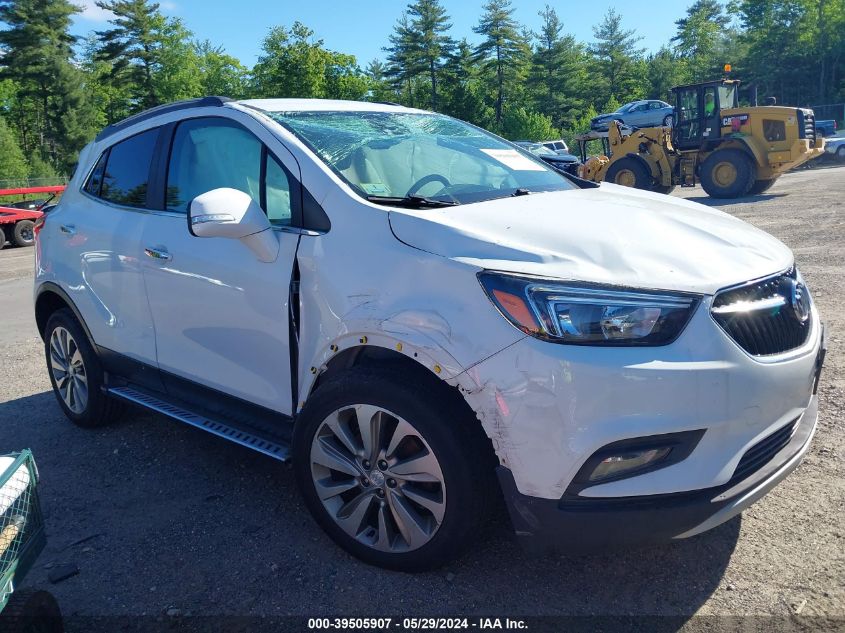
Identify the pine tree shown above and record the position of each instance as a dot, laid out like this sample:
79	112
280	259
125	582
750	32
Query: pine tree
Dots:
463	92
51	113
150	55
557	71
698	37
403	61
616	51
131	47
503	52
430	23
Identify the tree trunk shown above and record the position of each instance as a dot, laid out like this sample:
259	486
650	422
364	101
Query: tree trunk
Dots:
433	84
500	76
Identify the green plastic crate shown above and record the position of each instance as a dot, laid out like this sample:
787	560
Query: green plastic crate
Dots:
21	522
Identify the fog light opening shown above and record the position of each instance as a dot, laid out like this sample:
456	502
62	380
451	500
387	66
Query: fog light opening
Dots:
628	461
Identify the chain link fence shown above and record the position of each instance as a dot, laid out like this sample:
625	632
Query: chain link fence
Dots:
835	111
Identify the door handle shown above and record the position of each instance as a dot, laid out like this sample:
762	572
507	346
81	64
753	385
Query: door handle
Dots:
68	229
159	253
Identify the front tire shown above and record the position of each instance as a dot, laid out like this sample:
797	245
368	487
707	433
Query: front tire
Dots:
668	120
76	373
840	154
24	234
728	173
394	468
629	172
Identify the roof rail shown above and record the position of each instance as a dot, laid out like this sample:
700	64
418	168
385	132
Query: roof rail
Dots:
202	102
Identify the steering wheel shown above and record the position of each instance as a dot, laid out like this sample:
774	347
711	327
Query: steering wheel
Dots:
422	182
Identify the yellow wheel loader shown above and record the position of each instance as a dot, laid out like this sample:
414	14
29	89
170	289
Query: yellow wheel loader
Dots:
731	151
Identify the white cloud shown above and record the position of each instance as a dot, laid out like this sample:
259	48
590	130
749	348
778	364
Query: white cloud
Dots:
168	6
92	12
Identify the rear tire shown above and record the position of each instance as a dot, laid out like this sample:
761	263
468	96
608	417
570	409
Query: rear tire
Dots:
629	172
23	233
664	190
761	186
30	611
361	499
76	373
840	154
728	173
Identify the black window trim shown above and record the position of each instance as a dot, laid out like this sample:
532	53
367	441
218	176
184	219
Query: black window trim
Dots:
107	154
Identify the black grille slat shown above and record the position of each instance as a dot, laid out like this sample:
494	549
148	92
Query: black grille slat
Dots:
762	331
763	451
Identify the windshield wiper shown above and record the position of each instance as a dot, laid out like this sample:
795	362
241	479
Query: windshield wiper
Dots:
413	202
522	191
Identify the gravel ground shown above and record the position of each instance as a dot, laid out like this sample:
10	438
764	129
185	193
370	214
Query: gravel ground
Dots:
160	517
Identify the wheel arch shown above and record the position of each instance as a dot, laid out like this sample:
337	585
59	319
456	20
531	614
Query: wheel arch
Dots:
50	297
642	161
757	155
401	357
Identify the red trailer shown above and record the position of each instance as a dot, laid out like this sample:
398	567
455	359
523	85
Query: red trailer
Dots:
17	220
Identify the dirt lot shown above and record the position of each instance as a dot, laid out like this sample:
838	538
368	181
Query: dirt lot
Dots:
158	516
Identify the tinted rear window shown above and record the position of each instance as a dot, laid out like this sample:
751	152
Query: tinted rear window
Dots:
128	169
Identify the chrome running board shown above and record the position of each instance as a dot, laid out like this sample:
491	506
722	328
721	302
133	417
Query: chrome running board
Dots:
249	438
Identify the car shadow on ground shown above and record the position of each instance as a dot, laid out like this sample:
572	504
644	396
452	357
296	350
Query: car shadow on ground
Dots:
724	202
155	514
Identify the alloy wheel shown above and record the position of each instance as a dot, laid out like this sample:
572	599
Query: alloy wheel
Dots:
68	369
378	478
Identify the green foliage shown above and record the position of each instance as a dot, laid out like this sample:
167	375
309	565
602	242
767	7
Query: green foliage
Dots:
666	69
48	106
698	39
616	53
503	54
430	45
42	172
521	124
294	64
558	77
219	73
795	48
13	167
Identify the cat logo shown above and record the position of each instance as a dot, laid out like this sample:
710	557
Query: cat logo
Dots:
736	119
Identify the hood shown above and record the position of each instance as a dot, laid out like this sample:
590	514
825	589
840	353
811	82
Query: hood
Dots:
609	235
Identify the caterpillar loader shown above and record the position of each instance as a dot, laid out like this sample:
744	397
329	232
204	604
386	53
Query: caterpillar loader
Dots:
731	151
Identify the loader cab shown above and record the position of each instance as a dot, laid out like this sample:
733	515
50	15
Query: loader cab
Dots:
698	111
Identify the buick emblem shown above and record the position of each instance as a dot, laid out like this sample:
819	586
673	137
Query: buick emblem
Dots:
799	299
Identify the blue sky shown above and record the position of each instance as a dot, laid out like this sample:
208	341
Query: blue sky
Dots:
361	27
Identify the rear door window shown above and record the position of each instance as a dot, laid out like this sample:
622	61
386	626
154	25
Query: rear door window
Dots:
127	170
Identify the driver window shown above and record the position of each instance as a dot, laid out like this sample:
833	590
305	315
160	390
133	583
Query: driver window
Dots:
709	102
208	154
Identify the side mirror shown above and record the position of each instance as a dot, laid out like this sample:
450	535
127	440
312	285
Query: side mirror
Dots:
233	214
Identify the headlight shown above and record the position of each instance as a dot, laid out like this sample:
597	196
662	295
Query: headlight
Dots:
589	315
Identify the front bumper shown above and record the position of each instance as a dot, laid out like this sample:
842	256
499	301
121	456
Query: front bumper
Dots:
588	524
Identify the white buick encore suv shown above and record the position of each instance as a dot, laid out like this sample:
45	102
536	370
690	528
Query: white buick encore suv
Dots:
410	308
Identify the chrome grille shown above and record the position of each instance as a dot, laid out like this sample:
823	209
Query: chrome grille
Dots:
765	317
